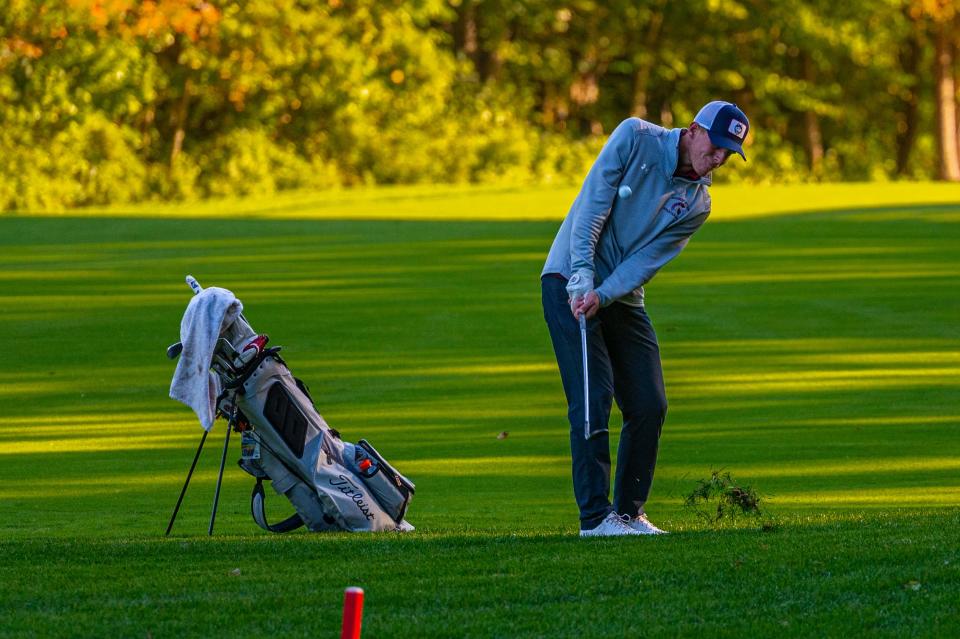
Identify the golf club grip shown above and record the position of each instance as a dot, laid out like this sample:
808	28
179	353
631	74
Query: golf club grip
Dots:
194	284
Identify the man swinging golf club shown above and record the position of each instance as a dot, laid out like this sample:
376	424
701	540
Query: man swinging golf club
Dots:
645	195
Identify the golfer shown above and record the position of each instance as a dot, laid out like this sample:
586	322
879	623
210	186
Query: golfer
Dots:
645	195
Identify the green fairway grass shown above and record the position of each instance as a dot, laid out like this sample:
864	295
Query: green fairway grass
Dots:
809	341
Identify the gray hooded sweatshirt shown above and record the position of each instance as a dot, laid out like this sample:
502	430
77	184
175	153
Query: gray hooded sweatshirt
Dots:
615	244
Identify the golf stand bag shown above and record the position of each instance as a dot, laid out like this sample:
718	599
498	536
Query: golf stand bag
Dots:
332	484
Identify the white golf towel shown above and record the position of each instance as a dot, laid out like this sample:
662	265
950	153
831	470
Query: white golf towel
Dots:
208	313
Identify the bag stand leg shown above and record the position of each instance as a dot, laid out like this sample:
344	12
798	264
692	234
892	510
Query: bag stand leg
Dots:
223	461
183	492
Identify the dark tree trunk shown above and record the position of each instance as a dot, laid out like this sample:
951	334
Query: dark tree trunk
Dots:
641	78
907	122
811	123
666	116
180	120
467	40
465	29
584	92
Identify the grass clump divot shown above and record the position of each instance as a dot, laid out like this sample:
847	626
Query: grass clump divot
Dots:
732	500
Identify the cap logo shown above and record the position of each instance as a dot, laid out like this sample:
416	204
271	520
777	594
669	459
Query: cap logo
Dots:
737	128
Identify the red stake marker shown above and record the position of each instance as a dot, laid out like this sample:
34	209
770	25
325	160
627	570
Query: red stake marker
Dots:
352	613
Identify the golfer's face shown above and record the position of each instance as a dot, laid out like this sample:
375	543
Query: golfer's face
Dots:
706	157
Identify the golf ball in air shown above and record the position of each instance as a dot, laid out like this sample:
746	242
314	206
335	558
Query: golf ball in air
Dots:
624	192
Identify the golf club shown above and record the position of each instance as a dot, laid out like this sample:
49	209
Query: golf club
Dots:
586	378
174	350
194	284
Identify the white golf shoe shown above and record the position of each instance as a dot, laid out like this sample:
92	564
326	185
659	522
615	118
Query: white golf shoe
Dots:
613	525
642	526
404	526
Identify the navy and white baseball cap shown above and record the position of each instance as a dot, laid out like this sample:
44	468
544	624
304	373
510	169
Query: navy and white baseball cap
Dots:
726	124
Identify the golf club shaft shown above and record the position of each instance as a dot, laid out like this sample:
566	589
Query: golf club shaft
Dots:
586	378
216	494
183	492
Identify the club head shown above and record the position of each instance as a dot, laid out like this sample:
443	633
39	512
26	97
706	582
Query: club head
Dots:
226	349
222	366
174	350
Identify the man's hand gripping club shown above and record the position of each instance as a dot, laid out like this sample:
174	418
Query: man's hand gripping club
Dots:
583	299
588	305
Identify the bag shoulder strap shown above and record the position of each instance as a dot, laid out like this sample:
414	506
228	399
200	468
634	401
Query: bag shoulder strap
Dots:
260	515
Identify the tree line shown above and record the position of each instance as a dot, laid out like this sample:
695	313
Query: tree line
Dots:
105	101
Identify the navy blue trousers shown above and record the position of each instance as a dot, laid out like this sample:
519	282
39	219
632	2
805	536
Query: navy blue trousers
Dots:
624	364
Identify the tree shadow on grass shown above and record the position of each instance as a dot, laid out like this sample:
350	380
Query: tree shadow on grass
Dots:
414	329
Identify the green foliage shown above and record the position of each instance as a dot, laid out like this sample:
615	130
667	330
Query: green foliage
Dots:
561	159
179	180
770	160
340	92
100	158
90	161
246	162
